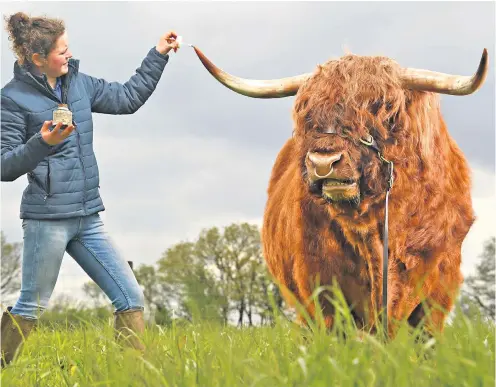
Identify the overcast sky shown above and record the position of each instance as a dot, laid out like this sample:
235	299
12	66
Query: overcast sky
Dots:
198	155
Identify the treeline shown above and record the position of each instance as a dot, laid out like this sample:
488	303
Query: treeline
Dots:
219	277
222	277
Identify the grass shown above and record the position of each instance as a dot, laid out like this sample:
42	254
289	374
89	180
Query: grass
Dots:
204	354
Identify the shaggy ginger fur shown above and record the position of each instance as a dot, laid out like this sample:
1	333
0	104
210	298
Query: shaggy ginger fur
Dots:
430	209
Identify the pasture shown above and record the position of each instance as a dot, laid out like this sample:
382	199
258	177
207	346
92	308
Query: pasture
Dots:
204	354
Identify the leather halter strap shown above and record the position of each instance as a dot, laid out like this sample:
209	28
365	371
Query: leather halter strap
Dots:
370	142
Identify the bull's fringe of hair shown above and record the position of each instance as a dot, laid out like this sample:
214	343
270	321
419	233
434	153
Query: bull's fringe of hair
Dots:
345	92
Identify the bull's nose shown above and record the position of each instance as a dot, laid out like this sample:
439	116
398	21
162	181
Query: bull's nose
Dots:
321	164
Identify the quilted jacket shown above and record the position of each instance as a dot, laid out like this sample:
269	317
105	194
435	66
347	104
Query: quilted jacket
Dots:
63	180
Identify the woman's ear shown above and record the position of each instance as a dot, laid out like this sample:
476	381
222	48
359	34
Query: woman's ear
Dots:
38	60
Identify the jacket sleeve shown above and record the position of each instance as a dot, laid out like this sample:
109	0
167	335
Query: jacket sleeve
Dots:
115	98
18	155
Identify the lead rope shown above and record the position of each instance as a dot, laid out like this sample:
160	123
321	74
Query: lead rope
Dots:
371	143
385	254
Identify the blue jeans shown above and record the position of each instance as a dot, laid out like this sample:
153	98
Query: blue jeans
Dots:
84	238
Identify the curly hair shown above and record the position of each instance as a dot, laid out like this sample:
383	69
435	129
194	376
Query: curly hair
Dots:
32	35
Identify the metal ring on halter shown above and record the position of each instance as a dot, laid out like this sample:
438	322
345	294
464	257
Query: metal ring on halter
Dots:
367	142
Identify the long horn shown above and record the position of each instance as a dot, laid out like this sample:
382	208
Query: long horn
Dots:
426	80
273	88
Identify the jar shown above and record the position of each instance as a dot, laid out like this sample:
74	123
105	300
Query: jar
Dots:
62	114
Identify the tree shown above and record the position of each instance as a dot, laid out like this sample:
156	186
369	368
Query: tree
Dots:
235	256
192	286
220	276
95	293
208	248
270	296
243	251
10	267
481	287
157	293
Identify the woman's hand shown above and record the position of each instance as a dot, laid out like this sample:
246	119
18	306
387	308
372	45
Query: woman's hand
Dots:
168	42
55	136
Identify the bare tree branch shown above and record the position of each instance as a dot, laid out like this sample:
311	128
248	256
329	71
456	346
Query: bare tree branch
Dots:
10	267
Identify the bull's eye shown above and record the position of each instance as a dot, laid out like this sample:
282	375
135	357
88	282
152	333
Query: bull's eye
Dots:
316	128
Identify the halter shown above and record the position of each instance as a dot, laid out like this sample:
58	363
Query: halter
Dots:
370	142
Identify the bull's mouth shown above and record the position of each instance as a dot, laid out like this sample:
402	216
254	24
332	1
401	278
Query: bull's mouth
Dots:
334	185
337	190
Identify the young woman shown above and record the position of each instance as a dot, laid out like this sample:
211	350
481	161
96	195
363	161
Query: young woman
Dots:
61	204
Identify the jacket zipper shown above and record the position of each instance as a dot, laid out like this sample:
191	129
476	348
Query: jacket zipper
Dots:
48	191
40	184
44	88
84	170
65	92
48	180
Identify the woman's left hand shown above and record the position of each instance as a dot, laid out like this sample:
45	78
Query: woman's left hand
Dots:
168	42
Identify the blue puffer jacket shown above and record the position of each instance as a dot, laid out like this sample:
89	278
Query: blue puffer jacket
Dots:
63	179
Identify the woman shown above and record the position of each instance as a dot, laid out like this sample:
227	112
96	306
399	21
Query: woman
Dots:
61	204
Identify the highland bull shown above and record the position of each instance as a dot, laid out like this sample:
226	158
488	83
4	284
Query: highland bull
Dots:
324	221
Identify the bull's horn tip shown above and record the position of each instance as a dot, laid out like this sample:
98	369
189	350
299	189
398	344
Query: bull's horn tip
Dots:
484	55
482	70
484	59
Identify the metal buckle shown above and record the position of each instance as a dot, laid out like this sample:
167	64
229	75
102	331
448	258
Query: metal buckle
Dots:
391	168
371	143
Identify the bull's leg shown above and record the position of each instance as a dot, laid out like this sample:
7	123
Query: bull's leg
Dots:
305	294
431	316
311	308
439	305
285	283
296	288
436	307
305	290
416	316
404	301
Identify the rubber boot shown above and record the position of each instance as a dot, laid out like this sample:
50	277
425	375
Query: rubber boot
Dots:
129	326
15	329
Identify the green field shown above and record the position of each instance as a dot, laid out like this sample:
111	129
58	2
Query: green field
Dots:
203	354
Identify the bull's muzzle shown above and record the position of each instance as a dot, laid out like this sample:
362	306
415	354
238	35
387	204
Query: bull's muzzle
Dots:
320	166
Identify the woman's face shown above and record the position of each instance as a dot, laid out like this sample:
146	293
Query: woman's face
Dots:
57	62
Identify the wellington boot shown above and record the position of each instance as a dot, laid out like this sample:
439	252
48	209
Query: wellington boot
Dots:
129	326
15	329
